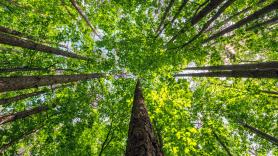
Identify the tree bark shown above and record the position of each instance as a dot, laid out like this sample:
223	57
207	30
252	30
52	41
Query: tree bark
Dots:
260	133
21	115
21	69
79	10
269	92
26	43
24	82
222	143
171	3
211	6
6	101
213	18
264	65
270	21
224	22
268	73
244	21
141	139
14	32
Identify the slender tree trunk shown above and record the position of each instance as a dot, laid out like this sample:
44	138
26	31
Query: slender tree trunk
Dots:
6	101
260	133
244	21
21	69
107	140
211	6
174	18
14	32
79	10
24	82
4	147
167	10
264	65
213	18
268	73
21	115
270	21
222	143
141	138
269	92
26	43
224	22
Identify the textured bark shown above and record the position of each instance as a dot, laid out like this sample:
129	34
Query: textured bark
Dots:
273	20
264	65
6	101
213	18
141	139
268	73
206	10
260	133
222	144
174	18
21	115
4	147
26	43
167	10
271	7
24	82
79	10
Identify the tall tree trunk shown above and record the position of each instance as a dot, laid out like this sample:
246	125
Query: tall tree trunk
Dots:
213	18
21	115
270	21
24	82
14	32
268	73
167	10
21	69
244	21
224	22
211	6
175	16
264	65
222	143
29	44
6	101
269	92
79	10
141	138
260	133
4	147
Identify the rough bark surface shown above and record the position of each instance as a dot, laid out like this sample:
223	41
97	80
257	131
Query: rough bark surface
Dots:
26	43
24	82
20	115
244	21
141	138
268	73
264	65
260	133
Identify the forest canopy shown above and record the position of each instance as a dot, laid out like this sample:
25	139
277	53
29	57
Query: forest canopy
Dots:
140	77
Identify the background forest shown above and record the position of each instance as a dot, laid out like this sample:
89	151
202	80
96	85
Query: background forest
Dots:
68	70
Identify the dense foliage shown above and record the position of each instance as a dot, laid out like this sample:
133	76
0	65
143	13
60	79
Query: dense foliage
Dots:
191	116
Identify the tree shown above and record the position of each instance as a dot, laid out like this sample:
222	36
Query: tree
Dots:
17	83
141	138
